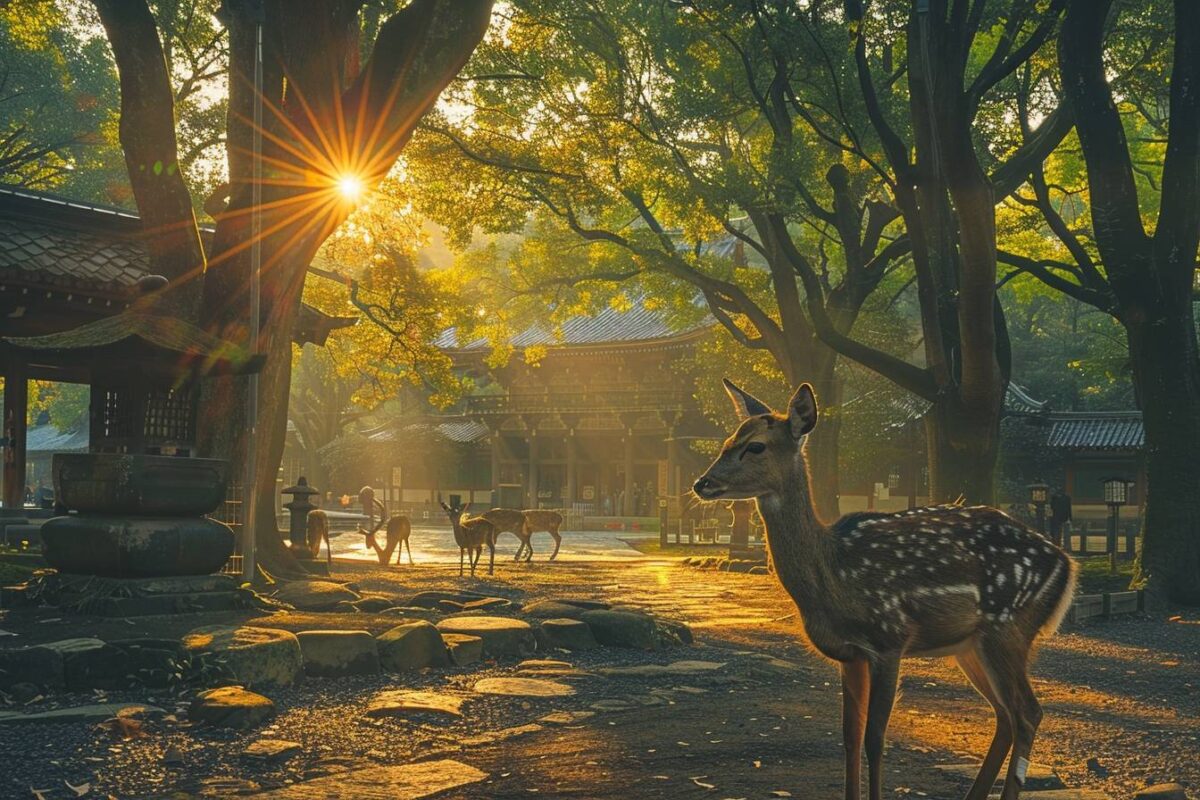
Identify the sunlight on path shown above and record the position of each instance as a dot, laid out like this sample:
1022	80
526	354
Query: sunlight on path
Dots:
436	545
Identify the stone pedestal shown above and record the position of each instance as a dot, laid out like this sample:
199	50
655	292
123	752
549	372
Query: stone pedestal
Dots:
136	597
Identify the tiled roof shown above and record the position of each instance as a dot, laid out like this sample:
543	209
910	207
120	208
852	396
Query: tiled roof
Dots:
906	408
49	439
1112	430
37	248
609	326
463	431
1019	401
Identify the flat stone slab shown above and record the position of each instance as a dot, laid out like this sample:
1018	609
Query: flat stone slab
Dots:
523	687
464	648
271	749
412	645
566	717
255	656
96	712
1062	794
231	707
334	654
1038	777
492	737
567	634
430	599
409	781
401	703
674	668
622	629
562	607
501	636
1161	791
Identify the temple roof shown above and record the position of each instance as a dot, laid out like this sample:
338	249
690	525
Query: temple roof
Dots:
462	431
49	439
1100	430
609	326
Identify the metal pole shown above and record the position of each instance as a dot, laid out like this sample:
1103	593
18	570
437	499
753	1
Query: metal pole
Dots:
249	506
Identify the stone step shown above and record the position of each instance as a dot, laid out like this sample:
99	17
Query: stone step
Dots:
410	781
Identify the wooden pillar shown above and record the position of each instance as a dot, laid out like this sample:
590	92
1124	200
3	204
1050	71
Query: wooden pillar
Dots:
495	499
16	416
627	505
572	469
672	464
533	470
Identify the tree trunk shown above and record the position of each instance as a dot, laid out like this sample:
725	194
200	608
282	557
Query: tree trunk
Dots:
963	448
1166	372
822	448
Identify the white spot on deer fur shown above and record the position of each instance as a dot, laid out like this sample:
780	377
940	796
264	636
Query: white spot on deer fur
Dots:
1017	572
1027	561
999	580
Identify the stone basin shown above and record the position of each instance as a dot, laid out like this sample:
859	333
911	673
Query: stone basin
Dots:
136	547
127	483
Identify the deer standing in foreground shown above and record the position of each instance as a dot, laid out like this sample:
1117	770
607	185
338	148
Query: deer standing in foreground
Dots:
537	519
471	535
874	588
509	520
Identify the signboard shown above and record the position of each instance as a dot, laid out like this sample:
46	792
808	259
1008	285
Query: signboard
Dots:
397	476
588	493
662	477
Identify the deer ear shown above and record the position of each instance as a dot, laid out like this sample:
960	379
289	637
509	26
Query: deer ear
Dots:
746	404
802	411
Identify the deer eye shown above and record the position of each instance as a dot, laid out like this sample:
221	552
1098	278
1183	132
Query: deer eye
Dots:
754	447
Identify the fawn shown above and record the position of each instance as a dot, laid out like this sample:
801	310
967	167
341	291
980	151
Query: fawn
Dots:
509	520
537	519
874	588
471	534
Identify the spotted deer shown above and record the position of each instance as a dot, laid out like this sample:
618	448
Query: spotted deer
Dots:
510	520
536	520
874	588
472	534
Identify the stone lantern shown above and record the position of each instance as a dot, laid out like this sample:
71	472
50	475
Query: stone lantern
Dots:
299	507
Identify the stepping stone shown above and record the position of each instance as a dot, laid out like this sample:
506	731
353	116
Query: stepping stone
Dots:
672	632
335	654
523	687
566	717
567	634
257	657
549	609
271	749
231	707
501	636
40	666
493	603
96	712
314	595
612	705
544	663
501	735
1038	777
1162	791
412	645
373	605
409	781
430	600
401	703
1061	794
674	668
622	628
464	648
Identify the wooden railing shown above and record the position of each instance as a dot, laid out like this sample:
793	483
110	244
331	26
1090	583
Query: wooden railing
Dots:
581	400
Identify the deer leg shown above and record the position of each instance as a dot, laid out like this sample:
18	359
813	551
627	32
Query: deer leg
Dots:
461	550
971	665
1006	655
557	541
408	547
528	548
885	673
855	684
491	558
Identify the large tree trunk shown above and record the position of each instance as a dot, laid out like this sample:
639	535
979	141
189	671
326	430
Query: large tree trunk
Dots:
822	449
963	447
1166	373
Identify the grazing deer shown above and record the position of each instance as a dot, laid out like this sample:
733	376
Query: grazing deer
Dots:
471	534
874	588
536	520
509	520
316	529
399	528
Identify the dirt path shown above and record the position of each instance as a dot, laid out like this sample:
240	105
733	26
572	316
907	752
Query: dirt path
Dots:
1124	693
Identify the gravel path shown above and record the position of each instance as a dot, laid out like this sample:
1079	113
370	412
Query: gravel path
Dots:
1125	693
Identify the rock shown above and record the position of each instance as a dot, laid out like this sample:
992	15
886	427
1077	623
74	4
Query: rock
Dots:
760	570
87	662
314	595
231	707
612	705
1162	791
373	605
411	612
464	648
523	687
622	629
501	636
566	717
409	781
345	607
271	749
40	666
412	645
92	664
492	603
653	670
157	663
568	634
672	633
334	654
96	712
403	703
1096	768
430	600
257	657
547	609
450	606
22	693
492	737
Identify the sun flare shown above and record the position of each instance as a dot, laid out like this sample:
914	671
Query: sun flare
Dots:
350	186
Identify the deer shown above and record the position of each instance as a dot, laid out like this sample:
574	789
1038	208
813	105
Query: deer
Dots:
509	520
316	529
875	588
471	534
537	519
398	530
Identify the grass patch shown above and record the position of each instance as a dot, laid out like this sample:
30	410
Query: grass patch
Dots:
1094	577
